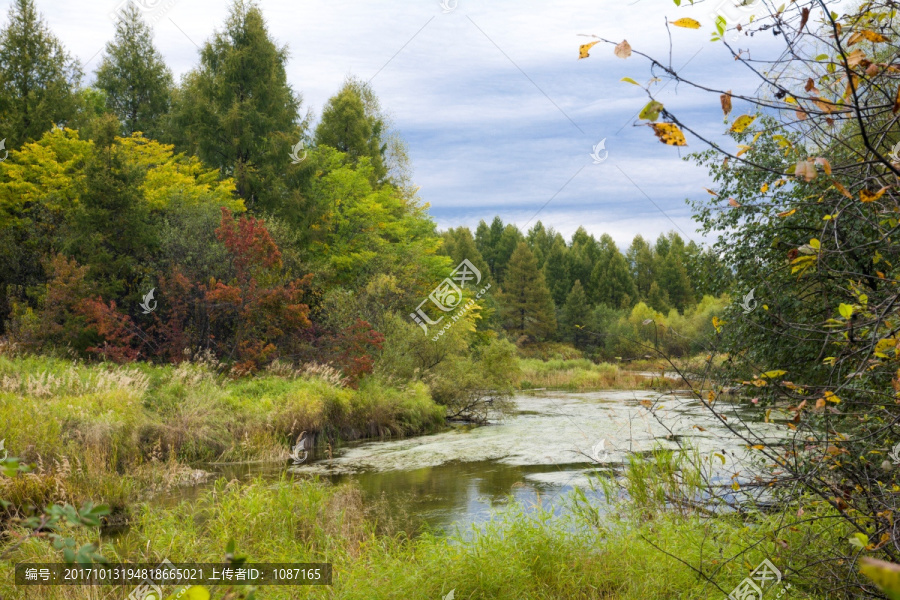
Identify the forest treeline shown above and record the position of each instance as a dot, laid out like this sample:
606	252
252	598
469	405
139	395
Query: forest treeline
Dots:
264	237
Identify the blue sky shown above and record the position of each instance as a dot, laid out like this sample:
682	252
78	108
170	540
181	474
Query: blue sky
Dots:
499	115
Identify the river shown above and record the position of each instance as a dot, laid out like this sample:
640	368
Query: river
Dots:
552	442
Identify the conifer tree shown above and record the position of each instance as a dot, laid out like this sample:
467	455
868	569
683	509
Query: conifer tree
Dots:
237	110
460	245
612	281
503	250
38	78
527	307
556	272
575	315
640	264
136	80
354	126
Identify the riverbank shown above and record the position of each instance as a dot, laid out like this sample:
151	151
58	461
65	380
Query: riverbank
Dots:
633	552
128	435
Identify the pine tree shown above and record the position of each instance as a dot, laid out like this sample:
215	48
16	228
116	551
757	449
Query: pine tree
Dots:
38	78
460	245
540	240
352	127
237	110
137	82
673	279
575	315
612	281
658	299
483	242
527	308
640	264
556	272
503	250
582	257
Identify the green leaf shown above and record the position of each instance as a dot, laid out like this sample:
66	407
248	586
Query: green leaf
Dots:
885	575
860	540
651	111
195	592
720	24
846	310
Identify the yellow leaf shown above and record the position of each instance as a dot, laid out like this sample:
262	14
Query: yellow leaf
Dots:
743	149
820	403
866	34
741	123
826	166
686	23
764	188
725	99
829	396
896	102
758	447
623	50
584	50
867	196
668	133
787	213
630	80
842	190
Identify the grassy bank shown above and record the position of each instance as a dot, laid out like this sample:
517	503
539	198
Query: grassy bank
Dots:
117	433
583	375
627	554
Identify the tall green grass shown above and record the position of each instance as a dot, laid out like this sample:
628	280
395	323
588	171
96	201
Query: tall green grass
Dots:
112	433
577	375
636	551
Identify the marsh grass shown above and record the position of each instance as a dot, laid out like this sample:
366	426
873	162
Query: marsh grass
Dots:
106	433
628	554
582	375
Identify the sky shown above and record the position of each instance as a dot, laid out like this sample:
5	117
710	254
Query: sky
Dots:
499	115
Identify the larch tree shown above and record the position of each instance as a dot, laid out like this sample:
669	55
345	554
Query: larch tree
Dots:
352	123
134	77
38	78
527	307
238	112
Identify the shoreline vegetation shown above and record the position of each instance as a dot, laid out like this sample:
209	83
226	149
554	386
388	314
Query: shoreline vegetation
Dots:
123	435
96	430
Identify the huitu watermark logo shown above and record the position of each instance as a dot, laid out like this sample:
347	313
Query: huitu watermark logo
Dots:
296	159
3	147
298	449
148	298
148	588
753	587
450	595
600	152
448	296
732	12
749	303
599	452
449	5
2	449
151	10
894	453
894	154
